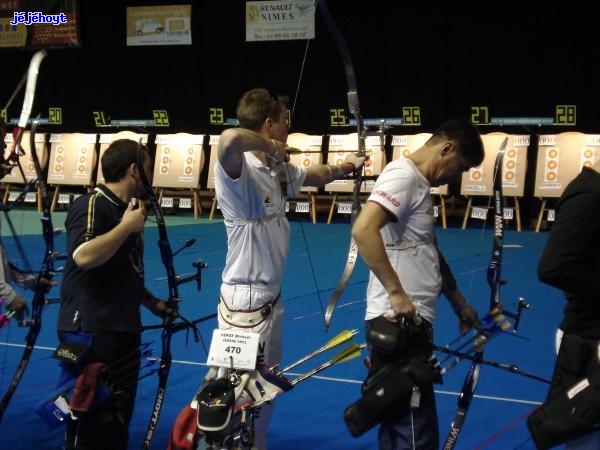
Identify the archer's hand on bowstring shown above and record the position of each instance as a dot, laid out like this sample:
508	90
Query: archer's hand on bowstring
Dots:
277	157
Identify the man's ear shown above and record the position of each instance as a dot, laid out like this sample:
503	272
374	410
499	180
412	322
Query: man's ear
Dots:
447	148
134	170
268	126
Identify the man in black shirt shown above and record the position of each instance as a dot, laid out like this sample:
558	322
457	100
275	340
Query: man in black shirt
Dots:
101	293
571	262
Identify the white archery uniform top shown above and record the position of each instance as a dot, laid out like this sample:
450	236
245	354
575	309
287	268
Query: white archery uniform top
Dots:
405	193
258	233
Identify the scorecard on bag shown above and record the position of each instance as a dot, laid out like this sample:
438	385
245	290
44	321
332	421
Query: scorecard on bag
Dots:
233	349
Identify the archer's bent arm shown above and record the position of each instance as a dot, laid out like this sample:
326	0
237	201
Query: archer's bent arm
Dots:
320	174
100	249
234	142
464	311
367	236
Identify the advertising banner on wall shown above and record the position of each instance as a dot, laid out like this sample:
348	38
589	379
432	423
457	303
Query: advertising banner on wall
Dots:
280	20
39	23
159	25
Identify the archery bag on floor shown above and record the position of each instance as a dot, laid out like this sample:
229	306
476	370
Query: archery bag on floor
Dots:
569	416
387	393
211	409
214	417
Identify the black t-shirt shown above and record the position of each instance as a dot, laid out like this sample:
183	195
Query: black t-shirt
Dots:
571	258
107	297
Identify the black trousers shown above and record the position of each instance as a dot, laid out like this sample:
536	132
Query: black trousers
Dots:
409	427
106	425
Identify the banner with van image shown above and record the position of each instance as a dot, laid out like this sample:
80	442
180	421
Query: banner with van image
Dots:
159	25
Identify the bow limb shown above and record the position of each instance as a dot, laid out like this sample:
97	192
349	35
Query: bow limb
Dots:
32	74
495	266
354	107
12	160
494	281
47	268
7	164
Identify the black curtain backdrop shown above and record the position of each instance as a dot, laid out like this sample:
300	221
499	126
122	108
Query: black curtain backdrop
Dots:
444	57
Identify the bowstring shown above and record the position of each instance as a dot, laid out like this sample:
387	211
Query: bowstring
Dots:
291	184
482	251
301	74
306	246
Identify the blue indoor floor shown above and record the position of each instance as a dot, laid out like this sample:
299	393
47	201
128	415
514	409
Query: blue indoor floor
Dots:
310	415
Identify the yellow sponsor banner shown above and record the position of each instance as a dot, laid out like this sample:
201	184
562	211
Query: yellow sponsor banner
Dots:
12	35
280	20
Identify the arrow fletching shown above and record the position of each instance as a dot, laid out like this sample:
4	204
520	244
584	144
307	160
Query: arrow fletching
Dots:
339	339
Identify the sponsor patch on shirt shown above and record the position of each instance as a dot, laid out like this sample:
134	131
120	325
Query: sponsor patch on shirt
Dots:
394	201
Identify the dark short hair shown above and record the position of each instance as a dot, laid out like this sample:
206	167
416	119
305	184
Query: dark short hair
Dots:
257	105
117	158
466	136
